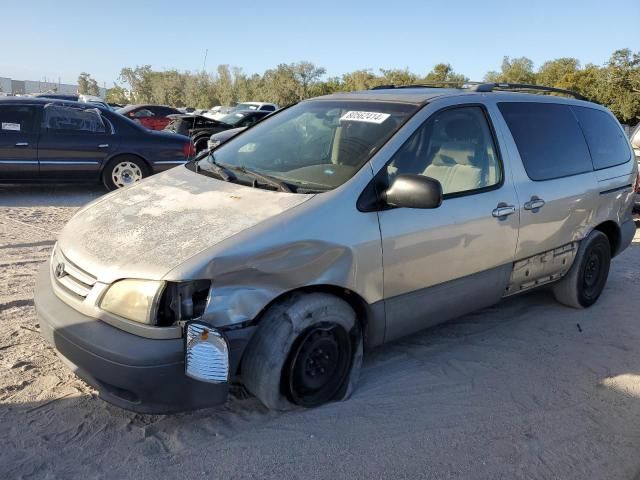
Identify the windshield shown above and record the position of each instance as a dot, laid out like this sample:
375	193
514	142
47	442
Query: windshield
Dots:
315	144
232	118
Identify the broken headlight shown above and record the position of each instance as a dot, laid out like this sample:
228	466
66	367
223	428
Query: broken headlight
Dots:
183	301
157	302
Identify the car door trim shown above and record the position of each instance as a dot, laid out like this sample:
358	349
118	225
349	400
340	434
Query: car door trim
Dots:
83	162
616	189
19	162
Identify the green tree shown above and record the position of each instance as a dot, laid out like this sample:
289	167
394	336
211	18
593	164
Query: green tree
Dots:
306	75
621	79
280	86
87	85
358	80
199	91
398	76
117	94
516	70
224	86
443	72
559	73
140	82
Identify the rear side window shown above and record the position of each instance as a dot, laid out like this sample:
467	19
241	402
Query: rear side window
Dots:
549	139
16	119
73	120
606	141
267	108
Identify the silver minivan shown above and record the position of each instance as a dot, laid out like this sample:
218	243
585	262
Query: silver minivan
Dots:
336	225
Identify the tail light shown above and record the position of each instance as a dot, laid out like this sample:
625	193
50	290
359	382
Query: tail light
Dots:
188	149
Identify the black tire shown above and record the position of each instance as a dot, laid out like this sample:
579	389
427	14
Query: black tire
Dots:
200	143
582	285
279	361
117	170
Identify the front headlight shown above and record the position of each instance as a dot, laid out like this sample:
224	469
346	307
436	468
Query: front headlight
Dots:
135	300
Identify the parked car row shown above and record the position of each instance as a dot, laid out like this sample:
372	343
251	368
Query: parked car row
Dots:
200	128
46	140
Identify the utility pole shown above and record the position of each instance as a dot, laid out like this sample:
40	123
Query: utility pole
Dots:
204	63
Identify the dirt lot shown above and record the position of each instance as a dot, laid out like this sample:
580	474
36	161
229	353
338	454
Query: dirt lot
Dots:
527	389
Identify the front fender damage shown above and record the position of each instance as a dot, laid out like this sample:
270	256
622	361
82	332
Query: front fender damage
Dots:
244	285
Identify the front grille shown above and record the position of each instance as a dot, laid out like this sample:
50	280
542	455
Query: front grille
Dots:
71	277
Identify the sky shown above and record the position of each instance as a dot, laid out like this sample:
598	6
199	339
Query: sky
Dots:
44	39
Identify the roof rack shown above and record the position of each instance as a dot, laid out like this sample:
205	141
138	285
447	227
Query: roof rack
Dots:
490	87
487	87
425	85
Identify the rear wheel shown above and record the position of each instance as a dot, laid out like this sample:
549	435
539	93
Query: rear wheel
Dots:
582	286
307	351
123	171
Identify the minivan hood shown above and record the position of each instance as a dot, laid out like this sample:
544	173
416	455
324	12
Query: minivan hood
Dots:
146	230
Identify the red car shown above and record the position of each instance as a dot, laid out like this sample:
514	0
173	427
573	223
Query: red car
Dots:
153	117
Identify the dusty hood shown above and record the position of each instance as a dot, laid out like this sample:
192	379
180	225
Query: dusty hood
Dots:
146	230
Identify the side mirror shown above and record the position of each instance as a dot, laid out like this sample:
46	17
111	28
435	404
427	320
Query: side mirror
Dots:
414	191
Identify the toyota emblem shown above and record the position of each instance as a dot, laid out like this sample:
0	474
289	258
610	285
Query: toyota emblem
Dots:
60	270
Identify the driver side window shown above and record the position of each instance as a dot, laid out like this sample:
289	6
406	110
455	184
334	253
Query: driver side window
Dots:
454	146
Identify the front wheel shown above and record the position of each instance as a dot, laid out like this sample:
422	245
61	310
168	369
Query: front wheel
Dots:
307	351
123	171
584	282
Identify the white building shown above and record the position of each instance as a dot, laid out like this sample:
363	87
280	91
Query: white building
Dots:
26	87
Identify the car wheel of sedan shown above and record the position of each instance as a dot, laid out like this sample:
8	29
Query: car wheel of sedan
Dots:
200	144
307	351
584	282
124	171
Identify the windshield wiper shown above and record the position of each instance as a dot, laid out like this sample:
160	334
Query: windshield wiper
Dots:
221	171
268	179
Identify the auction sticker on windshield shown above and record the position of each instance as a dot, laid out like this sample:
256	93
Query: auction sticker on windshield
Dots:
368	117
11	126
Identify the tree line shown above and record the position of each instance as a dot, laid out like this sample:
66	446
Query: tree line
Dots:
615	84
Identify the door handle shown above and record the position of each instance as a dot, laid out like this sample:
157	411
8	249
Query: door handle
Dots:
22	144
534	204
103	145
503	210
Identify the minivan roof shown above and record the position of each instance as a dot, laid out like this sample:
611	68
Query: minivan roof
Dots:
420	95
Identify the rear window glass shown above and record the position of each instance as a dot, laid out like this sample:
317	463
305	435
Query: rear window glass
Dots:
549	139
73	120
607	143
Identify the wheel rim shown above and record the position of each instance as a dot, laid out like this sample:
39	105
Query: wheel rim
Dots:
126	173
593	273
319	364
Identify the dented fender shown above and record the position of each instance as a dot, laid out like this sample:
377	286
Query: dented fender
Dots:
243	287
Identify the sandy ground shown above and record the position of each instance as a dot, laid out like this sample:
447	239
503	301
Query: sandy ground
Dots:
526	389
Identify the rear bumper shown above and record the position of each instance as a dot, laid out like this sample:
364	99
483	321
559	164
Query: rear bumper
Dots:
132	372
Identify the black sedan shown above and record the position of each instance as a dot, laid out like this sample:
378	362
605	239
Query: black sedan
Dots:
200	128
44	140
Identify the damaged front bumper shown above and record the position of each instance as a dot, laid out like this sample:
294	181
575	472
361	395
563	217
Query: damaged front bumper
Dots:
136	373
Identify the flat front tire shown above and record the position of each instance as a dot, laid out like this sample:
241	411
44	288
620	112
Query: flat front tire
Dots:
307	351
584	282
